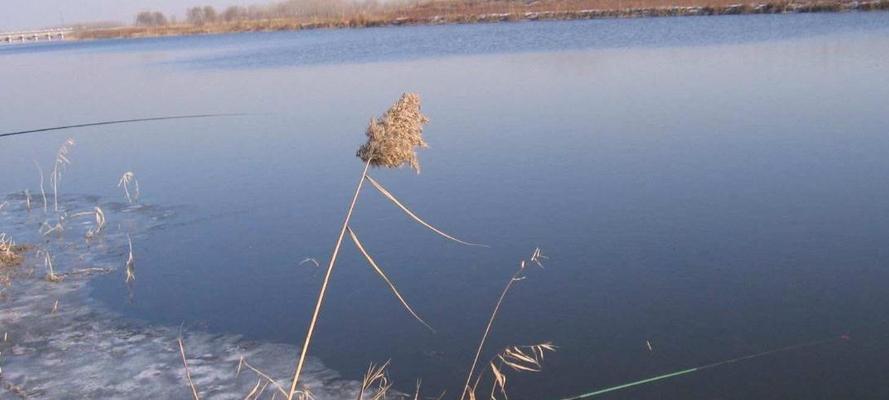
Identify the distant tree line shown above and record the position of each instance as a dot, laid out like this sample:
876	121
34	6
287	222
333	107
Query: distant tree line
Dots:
151	18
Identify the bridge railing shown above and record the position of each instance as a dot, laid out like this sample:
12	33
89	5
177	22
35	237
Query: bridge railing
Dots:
35	35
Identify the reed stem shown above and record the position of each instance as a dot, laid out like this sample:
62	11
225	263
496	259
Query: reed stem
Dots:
336	250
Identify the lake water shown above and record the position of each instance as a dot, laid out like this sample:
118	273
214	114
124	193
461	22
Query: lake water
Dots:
716	186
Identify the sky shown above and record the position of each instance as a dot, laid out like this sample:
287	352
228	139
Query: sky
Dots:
29	14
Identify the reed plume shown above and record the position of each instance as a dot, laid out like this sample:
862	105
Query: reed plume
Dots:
393	138
516	359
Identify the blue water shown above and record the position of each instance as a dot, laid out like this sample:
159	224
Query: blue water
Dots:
713	185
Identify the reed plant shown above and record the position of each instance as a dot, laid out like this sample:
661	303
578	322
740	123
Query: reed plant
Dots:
27	194
131	262
59	165
50	271
392	142
127	179
42	188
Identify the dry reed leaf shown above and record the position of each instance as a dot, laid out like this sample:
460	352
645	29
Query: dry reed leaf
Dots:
525	358
385	278
410	213
537	257
393	137
499	377
310	260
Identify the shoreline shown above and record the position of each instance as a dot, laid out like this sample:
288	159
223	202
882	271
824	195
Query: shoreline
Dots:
521	14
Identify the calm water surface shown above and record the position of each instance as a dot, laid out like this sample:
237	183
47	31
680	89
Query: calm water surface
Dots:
716	186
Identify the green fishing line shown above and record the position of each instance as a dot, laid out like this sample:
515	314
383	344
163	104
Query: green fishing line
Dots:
695	369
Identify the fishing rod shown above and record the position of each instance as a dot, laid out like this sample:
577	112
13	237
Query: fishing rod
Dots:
704	367
122	121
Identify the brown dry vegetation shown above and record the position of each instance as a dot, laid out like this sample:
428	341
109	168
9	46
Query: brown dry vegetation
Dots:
357	15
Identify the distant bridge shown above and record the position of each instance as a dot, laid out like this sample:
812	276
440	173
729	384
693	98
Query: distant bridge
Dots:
34	36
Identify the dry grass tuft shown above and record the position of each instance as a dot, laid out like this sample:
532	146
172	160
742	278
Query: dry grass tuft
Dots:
11	255
519	358
392	138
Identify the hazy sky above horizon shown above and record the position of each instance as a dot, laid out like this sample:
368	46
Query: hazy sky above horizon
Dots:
42	13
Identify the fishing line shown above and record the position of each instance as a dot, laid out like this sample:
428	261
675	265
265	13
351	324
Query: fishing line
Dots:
704	367
122	121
